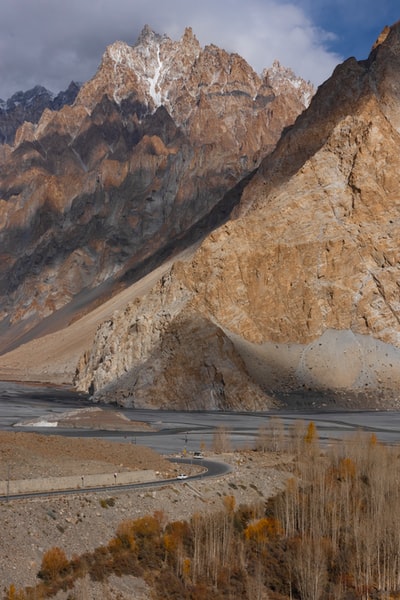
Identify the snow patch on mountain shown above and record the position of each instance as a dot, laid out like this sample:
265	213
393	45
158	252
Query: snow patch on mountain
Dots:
153	81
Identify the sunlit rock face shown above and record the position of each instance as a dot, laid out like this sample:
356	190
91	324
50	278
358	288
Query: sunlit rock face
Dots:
302	283
145	162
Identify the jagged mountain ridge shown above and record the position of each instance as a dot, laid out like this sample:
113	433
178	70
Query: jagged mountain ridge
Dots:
29	106
98	193
300	287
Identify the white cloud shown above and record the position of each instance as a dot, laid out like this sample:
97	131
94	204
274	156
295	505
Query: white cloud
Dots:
272	31
51	42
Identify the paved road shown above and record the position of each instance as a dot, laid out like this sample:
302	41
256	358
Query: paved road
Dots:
212	469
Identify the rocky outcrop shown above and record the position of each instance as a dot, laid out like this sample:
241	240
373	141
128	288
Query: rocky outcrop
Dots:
160	352
29	106
304	280
148	159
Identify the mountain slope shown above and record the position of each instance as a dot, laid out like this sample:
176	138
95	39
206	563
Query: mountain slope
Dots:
301	286
149	158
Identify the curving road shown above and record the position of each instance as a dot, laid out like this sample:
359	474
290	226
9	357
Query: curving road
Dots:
213	469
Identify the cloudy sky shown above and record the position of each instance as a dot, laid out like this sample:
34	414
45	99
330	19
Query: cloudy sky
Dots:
51	42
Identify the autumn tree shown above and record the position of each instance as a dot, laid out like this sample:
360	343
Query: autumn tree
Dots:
311	440
177	544
125	535
264	529
54	563
13	594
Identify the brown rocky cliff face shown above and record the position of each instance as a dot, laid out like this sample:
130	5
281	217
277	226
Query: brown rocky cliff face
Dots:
161	353
304	280
99	193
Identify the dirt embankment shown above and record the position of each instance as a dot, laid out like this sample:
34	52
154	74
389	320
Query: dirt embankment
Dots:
31	455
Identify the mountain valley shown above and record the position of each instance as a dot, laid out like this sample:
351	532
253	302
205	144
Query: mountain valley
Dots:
196	236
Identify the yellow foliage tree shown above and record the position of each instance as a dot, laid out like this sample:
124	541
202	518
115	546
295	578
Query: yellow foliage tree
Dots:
311	436
262	530
347	468
187	567
147	526
373	440
54	562
13	594
125	535
174	536
229	503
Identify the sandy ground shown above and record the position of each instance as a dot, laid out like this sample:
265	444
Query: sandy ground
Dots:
31	456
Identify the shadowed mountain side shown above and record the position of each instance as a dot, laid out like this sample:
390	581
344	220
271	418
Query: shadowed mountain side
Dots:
14	335
29	106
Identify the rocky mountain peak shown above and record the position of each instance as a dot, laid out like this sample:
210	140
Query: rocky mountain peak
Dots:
159	71
281	79
148	36
189	37
147	69
28	97
381	37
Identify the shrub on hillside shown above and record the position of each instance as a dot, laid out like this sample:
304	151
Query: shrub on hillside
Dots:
54	564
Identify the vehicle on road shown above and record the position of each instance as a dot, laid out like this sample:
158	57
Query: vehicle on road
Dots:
182	476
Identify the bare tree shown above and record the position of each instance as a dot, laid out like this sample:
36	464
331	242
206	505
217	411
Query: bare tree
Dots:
221	442
271	436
